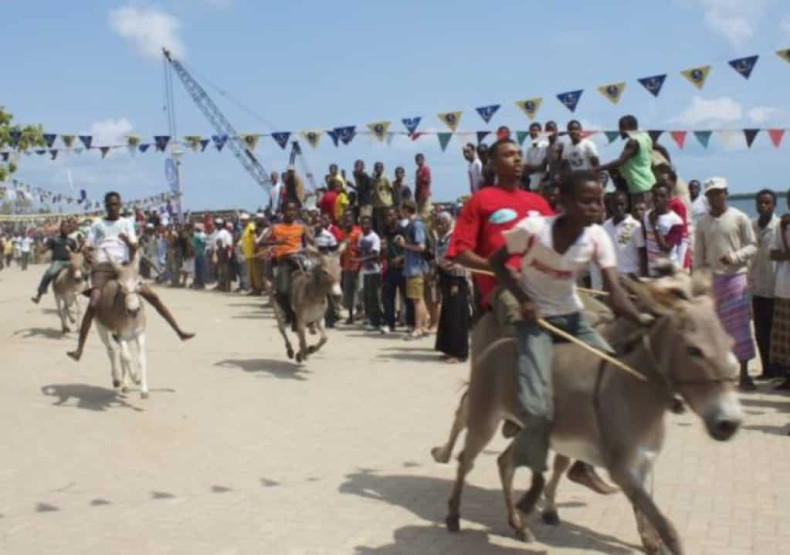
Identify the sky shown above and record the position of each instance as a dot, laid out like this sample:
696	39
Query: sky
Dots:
94	67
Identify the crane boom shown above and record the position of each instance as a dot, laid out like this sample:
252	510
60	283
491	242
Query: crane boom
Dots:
219	122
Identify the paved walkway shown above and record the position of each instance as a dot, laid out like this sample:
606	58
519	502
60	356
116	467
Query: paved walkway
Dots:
239	451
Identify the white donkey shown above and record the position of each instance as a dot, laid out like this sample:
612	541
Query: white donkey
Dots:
120	320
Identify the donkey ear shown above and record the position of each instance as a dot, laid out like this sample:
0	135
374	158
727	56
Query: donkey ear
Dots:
646	295
701	283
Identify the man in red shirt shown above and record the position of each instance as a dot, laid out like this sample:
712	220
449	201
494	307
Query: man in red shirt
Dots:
477	235
326	204
422	187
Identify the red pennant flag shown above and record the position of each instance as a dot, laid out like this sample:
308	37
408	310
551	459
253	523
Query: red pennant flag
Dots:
416	135
587	133
679	137
776	136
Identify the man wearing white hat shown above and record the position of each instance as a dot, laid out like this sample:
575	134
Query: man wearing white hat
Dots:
724	245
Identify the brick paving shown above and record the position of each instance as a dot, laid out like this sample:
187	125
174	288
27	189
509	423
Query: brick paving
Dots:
239	451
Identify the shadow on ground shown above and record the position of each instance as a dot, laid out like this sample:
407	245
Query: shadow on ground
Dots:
48	333
281	369
88	397
426	497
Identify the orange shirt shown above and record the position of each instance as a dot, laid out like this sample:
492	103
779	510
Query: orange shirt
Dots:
291	234
347	262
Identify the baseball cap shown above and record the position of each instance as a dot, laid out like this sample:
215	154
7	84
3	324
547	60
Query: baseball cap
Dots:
244	217
715	184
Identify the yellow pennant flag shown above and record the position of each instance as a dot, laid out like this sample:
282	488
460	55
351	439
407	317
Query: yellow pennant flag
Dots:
250	140
379	129
696	75
784	54
312	137
450	119
68	140
193	142
612	92
529	106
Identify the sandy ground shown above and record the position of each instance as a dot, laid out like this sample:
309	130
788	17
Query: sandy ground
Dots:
240	451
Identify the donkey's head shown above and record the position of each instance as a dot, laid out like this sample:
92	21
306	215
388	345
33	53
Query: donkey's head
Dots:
129	283
328	273
691	349
77	267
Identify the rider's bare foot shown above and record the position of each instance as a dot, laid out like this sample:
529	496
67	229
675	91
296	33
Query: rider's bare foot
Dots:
76	355
36	299
184	336
584	474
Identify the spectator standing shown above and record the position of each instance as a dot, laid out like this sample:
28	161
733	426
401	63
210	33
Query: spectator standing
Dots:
536	157
349	263
762	278
199	247
364	190
422	187
452	335
224	250
394	280
474	168
275	194
626	235
725	244
663	231
635	164
294	190
26	249
370	261
580	153
328	201
400	188
382	197
415	268
780	330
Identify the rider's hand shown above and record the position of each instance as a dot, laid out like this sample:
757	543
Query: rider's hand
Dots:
125	238
646	319
529	311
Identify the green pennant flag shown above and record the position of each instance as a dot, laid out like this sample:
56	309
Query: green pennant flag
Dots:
444	139
521	136
611	136
703	137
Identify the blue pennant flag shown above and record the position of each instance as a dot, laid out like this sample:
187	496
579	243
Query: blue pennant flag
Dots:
346	134
653	84
570	99
143	146
411	124
203	144
744	66
482	135
49	138
15	136
86	140
161	142
219	141
332	135
281	138
41	151
487	112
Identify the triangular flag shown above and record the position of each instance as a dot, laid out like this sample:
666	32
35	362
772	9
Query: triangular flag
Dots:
696	75
653	83
68	140
587	133
203	144
529	106
570	99
703	137
784	54
750	135
450	119
416	135
143	147
411	124
161	142
346	134
86	140
250	140
444	139
132	141
104	150
727	135
41	151
521	136
14	137
281	138
612	92
192	141
333	135
49	139
379	129
53	153
78	150
776	136
312	137
679	137
219	141
611	136
744	66
482	135
5	156
655	134
487	112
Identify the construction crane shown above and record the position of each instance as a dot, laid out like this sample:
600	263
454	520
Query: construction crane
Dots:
220	123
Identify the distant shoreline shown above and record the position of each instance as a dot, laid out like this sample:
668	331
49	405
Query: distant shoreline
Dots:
750	196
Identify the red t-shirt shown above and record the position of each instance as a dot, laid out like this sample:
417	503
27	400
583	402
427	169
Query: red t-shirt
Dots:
422	183
679	208
485	216
327	204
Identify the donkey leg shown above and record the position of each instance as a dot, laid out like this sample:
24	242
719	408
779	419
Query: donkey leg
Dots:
506	471
62	308
104	335
280	318
126	364
142	360
301	331
322	337
549	515
442	454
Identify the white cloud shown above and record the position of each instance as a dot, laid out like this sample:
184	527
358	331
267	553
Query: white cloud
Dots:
761	114
149	30
785	26
716	110
734	19
110	132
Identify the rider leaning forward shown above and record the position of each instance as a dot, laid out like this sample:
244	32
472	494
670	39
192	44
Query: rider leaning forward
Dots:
112	238
61	246
553	252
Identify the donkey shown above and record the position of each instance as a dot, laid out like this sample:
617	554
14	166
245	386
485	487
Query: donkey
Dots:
120	320
606	417
308	296
67	286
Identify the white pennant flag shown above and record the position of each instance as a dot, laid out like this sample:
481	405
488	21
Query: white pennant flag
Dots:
727	136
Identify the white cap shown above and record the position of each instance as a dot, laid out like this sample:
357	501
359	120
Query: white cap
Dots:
715	184
219	221
260	216
244	217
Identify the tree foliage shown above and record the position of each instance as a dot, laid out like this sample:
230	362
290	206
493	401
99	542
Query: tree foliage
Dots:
31	136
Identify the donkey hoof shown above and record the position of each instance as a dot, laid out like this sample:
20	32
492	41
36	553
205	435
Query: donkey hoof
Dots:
439	455
290	353
524	535
312	349
116	384
453	523
300	357
551	518
65	329
125	389
143	395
